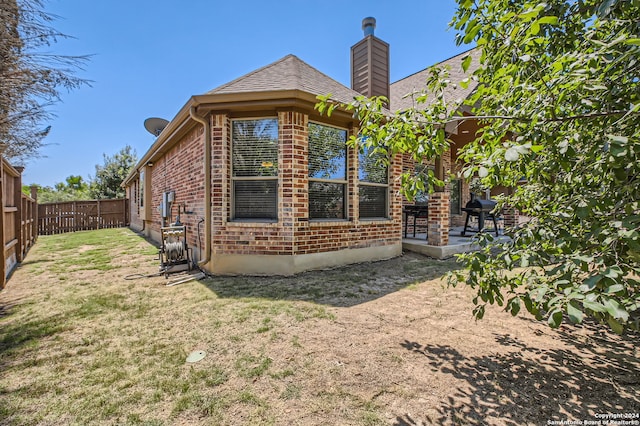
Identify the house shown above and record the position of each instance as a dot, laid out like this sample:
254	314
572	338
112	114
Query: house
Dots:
264	184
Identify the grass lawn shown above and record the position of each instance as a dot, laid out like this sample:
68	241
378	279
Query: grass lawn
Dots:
382	343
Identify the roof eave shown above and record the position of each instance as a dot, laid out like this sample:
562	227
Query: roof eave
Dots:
242	101
167	133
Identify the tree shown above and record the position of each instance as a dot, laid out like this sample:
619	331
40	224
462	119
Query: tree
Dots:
30	78
73	189
558	97
109	176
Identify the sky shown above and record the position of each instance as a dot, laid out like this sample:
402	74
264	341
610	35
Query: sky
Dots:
149	57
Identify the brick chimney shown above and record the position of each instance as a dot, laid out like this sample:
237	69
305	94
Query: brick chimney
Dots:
370	63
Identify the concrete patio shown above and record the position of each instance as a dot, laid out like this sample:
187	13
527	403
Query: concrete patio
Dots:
457	243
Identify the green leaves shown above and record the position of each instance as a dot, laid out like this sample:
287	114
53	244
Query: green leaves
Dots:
109	175
558	102
567	85
472	33
466	61
550	20
575	314
555	318
418	132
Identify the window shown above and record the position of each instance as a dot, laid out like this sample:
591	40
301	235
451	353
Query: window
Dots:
327	172
141	189
133	193
373	187
255	169
456	196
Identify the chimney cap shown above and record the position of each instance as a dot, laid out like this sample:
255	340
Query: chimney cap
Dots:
368	25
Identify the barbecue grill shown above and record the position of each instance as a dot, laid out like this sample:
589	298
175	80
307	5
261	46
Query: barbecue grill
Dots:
482	209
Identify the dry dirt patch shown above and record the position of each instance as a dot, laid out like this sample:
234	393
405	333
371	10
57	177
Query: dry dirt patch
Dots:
382	343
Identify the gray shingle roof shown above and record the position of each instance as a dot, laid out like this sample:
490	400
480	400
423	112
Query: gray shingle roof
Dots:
288	73
415	83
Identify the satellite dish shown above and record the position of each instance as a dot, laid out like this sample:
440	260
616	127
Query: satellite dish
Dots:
155	125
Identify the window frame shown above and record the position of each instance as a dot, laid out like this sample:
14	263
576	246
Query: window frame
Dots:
366	183
235	179
343	182
140	189
455	208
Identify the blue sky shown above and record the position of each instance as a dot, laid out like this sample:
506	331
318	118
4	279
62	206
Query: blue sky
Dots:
149	57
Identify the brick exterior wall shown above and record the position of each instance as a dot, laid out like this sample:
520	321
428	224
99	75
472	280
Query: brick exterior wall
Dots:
449	167
294	233
511	217
180	170
438	234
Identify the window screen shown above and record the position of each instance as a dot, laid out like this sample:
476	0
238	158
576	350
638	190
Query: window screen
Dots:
254	199
373	201
373	186
255	168
372	167
327	172
326	200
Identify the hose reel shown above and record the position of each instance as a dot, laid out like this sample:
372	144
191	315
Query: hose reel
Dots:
174	253
174	250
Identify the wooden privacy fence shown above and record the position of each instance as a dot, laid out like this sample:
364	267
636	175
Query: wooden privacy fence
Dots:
71	216
18	219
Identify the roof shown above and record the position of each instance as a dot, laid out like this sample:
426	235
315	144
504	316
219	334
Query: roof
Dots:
288	76
294	76
401	90
288	73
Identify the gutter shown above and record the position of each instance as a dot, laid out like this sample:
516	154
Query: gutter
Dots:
207	184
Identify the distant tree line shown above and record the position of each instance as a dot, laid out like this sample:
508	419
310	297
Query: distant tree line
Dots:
104	185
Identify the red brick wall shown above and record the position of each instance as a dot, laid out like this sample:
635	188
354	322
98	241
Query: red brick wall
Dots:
438	234
133	194
293	233
181	170
449	168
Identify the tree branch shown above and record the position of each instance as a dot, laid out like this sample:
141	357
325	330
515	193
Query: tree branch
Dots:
551	120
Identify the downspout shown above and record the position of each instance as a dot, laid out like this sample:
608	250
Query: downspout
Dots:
207	185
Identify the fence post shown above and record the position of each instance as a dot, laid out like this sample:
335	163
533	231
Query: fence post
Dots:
19	215
3	262
98	218
34	217
75	225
